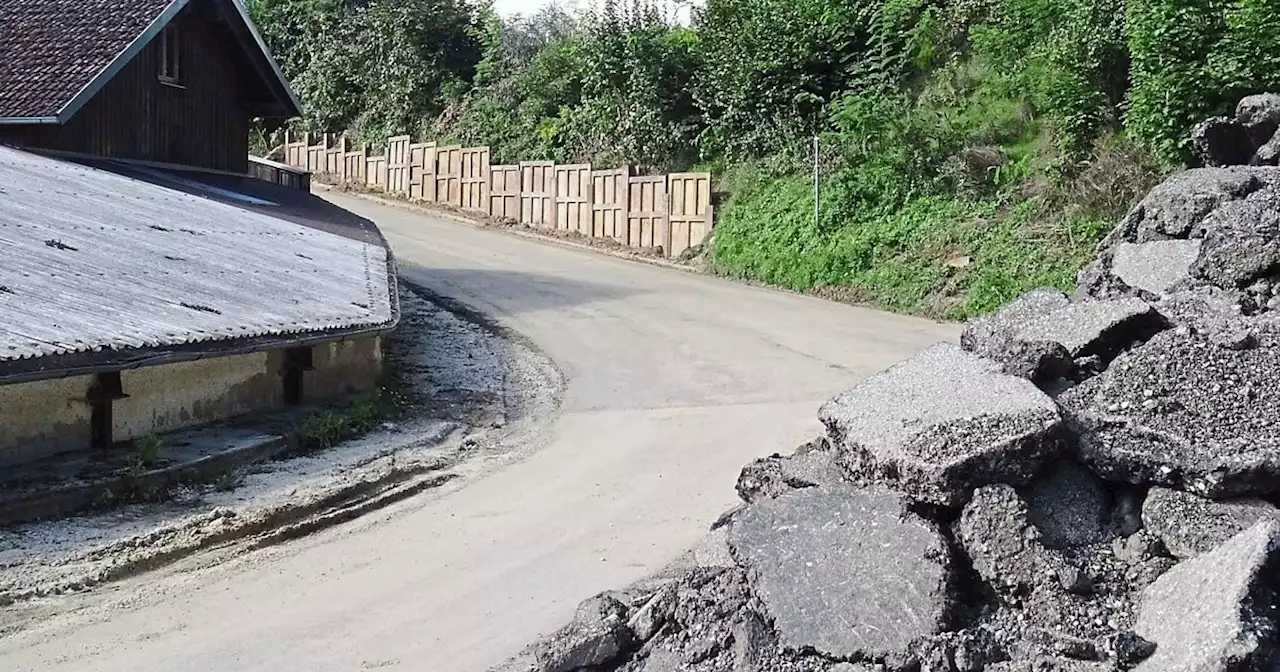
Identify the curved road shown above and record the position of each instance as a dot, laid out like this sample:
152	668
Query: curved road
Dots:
674	381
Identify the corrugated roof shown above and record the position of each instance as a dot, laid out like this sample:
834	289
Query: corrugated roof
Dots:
91	260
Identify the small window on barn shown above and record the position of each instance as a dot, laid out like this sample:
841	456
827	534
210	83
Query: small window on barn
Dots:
170	56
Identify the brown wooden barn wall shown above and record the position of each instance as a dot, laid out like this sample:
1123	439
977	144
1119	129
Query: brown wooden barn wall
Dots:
135	116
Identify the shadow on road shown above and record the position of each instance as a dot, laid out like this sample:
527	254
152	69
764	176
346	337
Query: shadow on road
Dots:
511	292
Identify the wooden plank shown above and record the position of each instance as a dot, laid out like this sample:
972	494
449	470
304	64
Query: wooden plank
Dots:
538	194
573	197
449	175
504	192
422	172
398	165
689	210
315	157
609	203
356	165
473	179
375	172
647	224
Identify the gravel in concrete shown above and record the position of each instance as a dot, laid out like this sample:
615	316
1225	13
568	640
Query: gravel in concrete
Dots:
1184	412
1069	505
1214	612
1190	525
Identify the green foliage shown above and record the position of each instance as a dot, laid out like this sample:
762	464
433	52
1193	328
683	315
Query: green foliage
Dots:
763	61
326	429
376	66
1193	58
970	149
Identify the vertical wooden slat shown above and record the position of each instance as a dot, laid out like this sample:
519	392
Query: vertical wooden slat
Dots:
538	194
356	164
449	175
422	172
398	165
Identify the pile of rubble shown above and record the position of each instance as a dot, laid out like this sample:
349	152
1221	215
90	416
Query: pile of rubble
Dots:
1084	483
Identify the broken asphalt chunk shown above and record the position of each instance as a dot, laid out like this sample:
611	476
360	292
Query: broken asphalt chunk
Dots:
943	423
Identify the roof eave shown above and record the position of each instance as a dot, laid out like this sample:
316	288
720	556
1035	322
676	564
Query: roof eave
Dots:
28	121
292	103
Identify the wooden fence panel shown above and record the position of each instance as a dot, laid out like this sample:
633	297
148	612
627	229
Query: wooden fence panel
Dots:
295	151
573	197
538	194
609	203
449	175
504	192
398	165
334	158
647	224
422	172
315	157
356	165
473	179
689	211
375	172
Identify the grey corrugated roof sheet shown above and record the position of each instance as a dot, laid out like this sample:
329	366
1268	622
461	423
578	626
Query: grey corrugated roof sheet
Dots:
94	261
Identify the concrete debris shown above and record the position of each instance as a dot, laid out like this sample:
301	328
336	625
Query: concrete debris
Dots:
995	337
1215	611
1190	525
1269	153
1178	205
1041	334
1002	544
1259	115
1069	506
849	573
958	518
943	423
1242	241
775	475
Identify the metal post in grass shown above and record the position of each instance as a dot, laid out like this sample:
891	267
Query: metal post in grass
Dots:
816	190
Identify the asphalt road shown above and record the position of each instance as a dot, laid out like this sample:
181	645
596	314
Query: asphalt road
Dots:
673	382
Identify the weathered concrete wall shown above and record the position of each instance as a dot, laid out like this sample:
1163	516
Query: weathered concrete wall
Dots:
165	398
344	367
43	418
52	416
